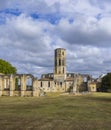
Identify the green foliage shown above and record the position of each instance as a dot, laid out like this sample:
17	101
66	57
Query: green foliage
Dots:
98	86
106	83
17	87
6	67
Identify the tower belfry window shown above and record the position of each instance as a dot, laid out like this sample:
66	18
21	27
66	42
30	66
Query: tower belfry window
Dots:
59	62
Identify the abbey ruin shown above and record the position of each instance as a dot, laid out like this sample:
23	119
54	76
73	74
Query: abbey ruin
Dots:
58	81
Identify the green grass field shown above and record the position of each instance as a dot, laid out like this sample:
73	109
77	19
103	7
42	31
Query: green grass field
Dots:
54	112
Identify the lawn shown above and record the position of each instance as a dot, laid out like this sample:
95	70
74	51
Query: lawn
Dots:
56	112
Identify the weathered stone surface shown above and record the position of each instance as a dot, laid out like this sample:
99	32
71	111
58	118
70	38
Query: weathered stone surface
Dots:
59	81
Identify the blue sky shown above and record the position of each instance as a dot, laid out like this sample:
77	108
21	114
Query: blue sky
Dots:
31	30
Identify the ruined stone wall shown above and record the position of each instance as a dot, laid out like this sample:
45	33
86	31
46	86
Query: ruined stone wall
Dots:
8	85
92	87
54	86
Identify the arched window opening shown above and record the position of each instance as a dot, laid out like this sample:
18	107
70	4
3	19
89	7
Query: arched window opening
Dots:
29	84
85	79
49	84
6	84
17	83
61	84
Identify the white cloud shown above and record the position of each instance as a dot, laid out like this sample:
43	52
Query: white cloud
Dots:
83	28
86	31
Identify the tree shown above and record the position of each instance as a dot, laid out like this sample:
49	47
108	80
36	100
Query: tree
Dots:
106	83
6	67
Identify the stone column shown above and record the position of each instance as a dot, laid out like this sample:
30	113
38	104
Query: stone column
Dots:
1	85
8	82
4	83
23	85
12	85
36	90
75	84
51	86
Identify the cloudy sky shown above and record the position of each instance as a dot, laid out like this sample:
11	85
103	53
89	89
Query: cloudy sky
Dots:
30	30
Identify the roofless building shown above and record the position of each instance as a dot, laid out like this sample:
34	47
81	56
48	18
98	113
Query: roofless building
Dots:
58	81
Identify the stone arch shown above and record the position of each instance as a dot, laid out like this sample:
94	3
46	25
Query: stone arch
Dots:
29	82
4	85
20	88
6	82
17	82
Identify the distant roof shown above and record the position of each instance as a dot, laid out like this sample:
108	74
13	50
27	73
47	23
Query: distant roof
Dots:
45	79
102	75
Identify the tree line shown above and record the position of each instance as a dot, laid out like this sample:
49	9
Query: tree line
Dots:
106	83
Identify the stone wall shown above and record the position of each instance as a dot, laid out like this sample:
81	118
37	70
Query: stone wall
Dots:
8	86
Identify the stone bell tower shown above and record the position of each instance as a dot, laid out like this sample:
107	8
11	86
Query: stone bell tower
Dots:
60	64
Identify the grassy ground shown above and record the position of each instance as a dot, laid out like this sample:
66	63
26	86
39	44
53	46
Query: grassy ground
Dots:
83	112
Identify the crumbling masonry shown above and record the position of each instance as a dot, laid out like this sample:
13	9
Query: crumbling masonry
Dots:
58	81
